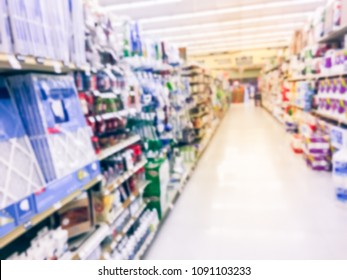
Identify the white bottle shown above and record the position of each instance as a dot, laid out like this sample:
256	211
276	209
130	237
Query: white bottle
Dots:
340	173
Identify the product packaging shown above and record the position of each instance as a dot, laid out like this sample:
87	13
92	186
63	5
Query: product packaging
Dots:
20	175
76	217
158	172
5	30
53	120
340	174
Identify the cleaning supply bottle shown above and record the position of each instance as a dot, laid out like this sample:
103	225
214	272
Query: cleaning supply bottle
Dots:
340	173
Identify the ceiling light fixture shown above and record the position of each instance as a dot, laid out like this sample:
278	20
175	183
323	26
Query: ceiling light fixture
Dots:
241	42
227	23
139	4
234	31
239	9
239	38
240	45
241	48
283	43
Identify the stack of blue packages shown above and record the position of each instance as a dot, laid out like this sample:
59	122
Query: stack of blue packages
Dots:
53	119
20	174
5	32
38	27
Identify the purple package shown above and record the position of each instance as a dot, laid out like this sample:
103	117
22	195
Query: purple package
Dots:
328	104
343	85
317	145
328	85
341	106
334	105
318	167
321	87
334	86
321	103
327	62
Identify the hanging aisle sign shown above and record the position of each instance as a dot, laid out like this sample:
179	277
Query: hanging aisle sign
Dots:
244	60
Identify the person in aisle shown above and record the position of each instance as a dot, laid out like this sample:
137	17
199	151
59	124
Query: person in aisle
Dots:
257	98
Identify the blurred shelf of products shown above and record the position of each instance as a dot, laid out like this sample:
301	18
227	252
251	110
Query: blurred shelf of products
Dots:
92	159
106	110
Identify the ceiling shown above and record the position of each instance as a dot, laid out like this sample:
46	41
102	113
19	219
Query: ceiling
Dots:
206	26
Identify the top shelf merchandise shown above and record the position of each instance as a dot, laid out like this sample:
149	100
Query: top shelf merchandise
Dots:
35	29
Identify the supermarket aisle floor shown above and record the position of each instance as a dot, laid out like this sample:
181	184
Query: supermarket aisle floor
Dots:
252	198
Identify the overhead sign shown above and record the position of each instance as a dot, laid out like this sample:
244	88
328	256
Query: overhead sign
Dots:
244	60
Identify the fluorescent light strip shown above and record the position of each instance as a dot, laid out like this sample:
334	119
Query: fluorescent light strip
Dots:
226	49
291	26
243	42
227	23
140	4
242	8
239	38
240	43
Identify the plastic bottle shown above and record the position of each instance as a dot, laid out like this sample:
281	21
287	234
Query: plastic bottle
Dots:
340	173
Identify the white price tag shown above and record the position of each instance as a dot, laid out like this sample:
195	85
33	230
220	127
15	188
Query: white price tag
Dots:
88	70
14	62
57	205
28	225
57	67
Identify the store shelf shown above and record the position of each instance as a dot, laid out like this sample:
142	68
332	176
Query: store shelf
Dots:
274	67
329	118
296	106
17	232
178	190
316	77
91	243
94	239
133	219
146	245
199	115
201	126
130	199
10	62
118	147
121	179
334	35
120	114
198	92
126	228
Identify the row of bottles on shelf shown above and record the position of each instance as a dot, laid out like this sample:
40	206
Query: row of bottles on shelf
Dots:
131	244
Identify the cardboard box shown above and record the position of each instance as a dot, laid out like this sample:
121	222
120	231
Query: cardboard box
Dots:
76	217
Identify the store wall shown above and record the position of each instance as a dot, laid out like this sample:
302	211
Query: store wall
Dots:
238	64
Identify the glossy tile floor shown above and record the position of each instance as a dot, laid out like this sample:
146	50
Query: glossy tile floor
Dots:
252	198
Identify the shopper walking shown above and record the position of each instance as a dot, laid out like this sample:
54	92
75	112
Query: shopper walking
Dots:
257	98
